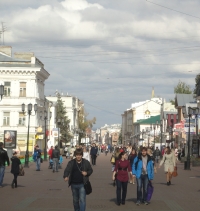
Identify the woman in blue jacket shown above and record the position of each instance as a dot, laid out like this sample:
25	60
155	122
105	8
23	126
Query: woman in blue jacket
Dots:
143	169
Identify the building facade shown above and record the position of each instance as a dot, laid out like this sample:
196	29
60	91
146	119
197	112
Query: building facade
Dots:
23	77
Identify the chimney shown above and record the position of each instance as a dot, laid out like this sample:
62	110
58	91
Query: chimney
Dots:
7	50
23	55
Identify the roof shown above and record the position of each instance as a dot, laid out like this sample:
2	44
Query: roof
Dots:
4	58
182	99
151	120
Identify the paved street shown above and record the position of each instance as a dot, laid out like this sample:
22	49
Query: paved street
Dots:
46	191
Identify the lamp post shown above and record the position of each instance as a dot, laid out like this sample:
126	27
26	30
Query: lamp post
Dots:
143	137
196	118
45	129
154	127
190	112
1	91
161	133
29	111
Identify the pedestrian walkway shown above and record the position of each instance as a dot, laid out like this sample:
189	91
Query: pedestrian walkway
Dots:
47	191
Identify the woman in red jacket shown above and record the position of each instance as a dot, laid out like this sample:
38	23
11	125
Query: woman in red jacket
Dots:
122	168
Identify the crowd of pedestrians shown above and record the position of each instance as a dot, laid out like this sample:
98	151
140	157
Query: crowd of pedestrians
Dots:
129	166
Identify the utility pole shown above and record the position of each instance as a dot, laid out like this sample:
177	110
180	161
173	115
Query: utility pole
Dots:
161	123
4	29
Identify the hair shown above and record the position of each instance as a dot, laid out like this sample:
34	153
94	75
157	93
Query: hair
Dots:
121	154
1	144
168	151
78	151
14	153
144	149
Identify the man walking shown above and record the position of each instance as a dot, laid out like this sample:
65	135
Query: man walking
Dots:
93	153
143	170
37	157
3	159
55	158
77	174
157	155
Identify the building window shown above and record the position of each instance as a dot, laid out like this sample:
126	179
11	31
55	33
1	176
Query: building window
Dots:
7	89
6	118
22	119
22	92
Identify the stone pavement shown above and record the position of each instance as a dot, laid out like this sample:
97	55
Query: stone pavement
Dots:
46	191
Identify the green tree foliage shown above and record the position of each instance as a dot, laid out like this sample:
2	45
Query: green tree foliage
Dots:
61	115
84	123
182	88
197	85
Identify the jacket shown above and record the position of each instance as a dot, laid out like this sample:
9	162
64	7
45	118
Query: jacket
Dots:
86	167
137	167
94	151
55	153
4	157
15	165
37	154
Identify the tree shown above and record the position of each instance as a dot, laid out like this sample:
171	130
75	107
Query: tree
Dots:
62	120
182	88
84	123
197	85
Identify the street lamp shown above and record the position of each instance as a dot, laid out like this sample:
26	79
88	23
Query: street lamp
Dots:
196	118
29	111
190	112
45	129
154	127
161	133
1	91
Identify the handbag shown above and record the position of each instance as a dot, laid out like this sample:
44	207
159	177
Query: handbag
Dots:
88	187
21	171
174	173
150	190
41	160
112	160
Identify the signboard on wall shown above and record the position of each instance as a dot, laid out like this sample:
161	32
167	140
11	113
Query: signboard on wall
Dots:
10	139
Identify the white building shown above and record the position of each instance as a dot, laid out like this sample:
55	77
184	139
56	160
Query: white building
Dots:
23	77
73	106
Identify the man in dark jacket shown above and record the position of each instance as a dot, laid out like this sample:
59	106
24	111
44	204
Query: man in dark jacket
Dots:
55	158
3	159
93	153
77	174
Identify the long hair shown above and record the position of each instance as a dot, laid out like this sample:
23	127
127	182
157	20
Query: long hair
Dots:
168	150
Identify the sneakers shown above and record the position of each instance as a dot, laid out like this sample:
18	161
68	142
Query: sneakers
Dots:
146	203
138	203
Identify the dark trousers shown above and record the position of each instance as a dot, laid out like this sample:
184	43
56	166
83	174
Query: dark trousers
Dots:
94	157
15	180
142	182
121	191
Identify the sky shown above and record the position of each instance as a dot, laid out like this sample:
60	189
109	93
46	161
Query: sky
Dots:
108	53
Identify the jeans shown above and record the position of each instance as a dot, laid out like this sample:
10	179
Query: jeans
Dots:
38	164
121	196
55	164
142	182
79	197
2	171
94	157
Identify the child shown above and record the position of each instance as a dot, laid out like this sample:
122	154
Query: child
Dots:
60	162
15	168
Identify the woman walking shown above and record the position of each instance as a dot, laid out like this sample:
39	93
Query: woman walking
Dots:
169	161
131	158
15	169
122	168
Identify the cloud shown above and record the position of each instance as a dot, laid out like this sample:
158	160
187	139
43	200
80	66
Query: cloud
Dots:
108	53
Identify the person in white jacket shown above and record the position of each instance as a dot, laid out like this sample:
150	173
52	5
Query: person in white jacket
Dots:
86	154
